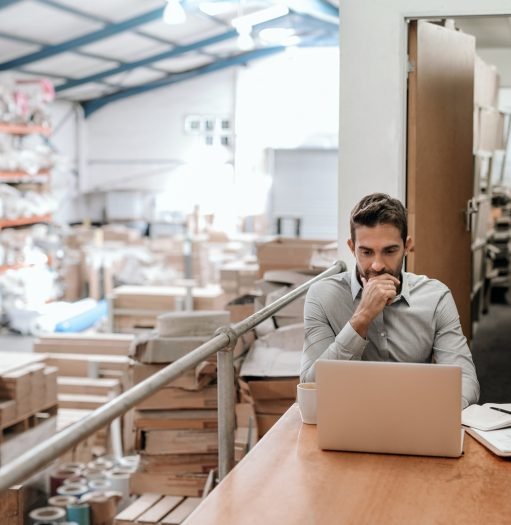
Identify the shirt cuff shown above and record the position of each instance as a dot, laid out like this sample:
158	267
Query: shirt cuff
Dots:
351	343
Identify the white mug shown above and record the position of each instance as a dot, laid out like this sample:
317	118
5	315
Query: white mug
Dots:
306	397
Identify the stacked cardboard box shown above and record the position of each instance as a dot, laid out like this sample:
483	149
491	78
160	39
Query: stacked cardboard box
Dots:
92	369
176	428
238	278
190	257
488	120
285	253
274	285
26	388
136	308
270	373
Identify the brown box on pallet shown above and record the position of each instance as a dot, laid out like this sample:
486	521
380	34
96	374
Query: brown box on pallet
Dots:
109	344
177	398
182	441
50	385
168	484
164	298
7	412
16	385
193	379
282	253
177	463
37	387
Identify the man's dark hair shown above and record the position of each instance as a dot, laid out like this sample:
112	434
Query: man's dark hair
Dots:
379	208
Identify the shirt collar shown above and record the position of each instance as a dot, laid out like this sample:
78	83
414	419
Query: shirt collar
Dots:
356	287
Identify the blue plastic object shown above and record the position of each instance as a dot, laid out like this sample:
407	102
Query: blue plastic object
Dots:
85	320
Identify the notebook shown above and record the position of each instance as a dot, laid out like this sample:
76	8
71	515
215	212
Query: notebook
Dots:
392	408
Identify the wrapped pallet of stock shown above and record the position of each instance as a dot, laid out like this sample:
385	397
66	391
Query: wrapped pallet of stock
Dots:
176	428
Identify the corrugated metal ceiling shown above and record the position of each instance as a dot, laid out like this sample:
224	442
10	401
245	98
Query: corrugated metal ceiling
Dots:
96	51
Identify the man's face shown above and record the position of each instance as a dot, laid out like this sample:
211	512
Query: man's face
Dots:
378	250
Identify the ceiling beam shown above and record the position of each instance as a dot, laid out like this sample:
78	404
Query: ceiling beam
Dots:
177	51
7	3
93	105
89	38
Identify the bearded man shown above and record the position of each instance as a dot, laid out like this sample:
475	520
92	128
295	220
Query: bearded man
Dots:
378	312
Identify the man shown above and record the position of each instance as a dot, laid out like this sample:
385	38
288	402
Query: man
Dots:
378	312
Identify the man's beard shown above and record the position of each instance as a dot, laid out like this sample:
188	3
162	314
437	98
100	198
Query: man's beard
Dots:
371	273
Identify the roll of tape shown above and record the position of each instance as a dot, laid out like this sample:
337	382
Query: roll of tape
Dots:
62	501
72	466
79	512
48	514
73	489
58	477
94	473
75	480
99	484
120	481
101	463
104	506
129	462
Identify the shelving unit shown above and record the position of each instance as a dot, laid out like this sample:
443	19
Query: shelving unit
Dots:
23	129
24	221
14	177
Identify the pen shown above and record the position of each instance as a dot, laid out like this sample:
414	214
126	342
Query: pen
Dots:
501	410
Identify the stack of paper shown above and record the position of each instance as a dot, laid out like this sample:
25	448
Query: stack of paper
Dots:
490	424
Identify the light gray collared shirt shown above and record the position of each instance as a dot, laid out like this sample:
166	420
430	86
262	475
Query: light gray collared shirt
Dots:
421	325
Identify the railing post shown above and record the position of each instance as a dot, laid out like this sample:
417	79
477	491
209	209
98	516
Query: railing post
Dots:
226	403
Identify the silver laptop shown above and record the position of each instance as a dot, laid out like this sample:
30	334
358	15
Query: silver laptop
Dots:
394	408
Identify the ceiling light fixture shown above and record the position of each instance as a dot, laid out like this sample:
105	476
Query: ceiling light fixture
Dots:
285	36
259	17
174	13
216	8
245	42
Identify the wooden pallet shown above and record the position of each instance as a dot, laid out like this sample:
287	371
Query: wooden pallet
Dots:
26	422
157	509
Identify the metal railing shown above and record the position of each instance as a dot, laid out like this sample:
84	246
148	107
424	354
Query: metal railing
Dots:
221	343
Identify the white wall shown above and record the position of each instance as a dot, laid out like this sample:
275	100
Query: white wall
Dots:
287	100
144	129
372	125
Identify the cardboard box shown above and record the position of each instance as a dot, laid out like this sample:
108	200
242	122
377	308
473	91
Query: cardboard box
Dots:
277	354
180	441
176	398
192	379
176	463
486	83
491	129
265	422
285	253
272	389
168	484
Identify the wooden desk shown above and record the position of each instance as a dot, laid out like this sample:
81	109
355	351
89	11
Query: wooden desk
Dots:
287	480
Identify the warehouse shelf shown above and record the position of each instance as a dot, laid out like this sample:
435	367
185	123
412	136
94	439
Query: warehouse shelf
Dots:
24	221
22	176
24	129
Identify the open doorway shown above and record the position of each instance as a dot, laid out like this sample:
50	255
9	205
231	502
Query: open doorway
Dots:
459	177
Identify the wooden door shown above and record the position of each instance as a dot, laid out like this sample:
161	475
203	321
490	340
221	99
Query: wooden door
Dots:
440	165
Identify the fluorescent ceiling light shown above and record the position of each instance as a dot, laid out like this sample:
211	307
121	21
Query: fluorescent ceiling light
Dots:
279	35
174	13
245	42
216	8
258	17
